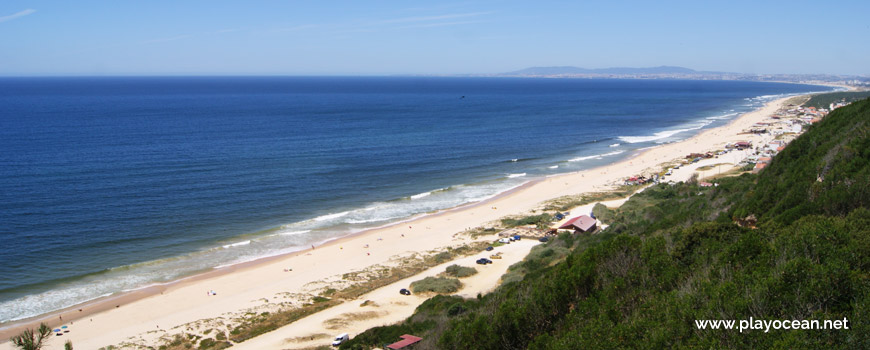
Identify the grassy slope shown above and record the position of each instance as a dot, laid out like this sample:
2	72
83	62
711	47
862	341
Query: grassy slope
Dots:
674	255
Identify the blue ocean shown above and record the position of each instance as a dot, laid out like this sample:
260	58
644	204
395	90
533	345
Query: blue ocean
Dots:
114	183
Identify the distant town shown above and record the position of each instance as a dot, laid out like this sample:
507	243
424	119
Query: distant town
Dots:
671	72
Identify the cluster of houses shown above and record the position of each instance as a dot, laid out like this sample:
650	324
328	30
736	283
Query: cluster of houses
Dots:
785	126
641	180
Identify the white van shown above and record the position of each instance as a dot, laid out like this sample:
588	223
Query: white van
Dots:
505	240
341	338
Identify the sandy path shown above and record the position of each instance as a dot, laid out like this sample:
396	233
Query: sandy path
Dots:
392	306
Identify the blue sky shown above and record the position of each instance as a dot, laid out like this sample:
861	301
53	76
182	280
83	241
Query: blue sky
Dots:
199	37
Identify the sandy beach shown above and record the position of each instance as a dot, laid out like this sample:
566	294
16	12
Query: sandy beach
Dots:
188	305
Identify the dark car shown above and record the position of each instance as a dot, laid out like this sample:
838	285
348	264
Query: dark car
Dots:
404	291
489	249
484	261
517	237
543	239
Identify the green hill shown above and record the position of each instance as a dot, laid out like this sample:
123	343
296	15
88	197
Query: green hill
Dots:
675	254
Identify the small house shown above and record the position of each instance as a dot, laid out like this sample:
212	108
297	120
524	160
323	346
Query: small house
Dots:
407	342
582	223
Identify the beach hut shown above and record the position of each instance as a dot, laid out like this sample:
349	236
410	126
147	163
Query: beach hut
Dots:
582	223
406	343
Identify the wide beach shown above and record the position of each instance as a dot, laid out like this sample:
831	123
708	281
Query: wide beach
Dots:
146	315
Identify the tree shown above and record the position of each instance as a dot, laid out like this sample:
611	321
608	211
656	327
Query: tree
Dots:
30	340
67	345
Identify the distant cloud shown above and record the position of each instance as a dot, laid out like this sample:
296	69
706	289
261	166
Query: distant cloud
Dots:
440	24
16	15
433	18
298	28
163	40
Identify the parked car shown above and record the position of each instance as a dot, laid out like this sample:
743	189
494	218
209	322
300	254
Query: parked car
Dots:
495	256
489	249
517	237
404	291
504	240
483	261
341	338
543	239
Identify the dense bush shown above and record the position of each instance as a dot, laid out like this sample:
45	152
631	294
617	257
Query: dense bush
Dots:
460	271
441	285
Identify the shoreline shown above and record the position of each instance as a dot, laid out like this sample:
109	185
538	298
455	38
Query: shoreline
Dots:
101	305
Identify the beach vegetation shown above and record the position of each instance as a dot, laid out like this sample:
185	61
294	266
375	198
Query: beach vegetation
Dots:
481	231
460	271
430	314
440	285
569	202
825	100
540	221
602	212
32	339
443	257
788	243
253	326
315	299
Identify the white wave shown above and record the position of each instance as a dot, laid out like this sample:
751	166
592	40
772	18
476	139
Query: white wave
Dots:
514	160
614	145
554	167
665	134
724	116
291	233
331	216
421	195
596	156
237	244
657	136
511	176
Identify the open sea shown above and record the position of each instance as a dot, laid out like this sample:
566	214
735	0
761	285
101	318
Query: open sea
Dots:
112	184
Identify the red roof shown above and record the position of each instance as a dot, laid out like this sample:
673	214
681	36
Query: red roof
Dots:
582	223
407	339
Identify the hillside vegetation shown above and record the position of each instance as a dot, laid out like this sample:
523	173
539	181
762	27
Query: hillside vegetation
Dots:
825	100
792	242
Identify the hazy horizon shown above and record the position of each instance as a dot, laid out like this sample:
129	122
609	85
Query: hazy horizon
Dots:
162	38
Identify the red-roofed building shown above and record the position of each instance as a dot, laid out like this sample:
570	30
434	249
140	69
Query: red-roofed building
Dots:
759	166
743	144
582	223
407	341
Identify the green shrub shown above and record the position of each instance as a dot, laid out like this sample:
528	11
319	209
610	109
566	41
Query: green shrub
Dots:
441	285
460	271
